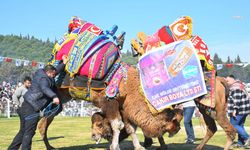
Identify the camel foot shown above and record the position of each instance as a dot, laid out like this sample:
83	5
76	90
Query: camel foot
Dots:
163	147
147	142
112	147
140	148
198	147
228	145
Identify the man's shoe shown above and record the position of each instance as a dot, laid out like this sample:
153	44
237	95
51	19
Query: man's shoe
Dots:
247	142
237	145
190	141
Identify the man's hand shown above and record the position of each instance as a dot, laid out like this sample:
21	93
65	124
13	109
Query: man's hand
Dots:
56	100
65	59
234	113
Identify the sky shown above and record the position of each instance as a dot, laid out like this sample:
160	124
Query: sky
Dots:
224	25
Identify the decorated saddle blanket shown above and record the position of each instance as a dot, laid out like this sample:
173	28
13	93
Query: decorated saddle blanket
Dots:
78	85
209	98
63	46
171	74
113	87
89	46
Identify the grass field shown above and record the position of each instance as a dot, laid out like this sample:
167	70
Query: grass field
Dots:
74	134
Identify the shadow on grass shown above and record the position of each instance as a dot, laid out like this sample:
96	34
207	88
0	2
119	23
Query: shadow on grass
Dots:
128	145
51	138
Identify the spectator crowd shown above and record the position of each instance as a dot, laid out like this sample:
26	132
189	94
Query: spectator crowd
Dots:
72	108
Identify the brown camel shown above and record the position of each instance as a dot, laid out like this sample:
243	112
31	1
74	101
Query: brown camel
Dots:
128	93
99	100
102	129
218	114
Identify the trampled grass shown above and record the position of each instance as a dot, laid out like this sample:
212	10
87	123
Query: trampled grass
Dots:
74	133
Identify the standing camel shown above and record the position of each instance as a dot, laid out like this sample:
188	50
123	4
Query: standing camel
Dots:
128	94
219	115
221	93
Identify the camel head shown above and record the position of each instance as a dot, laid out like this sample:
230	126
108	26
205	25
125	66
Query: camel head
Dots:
173	120
100	128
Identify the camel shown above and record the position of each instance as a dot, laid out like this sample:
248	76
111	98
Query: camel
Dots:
219	112
100	127
220	115
99	100
128	93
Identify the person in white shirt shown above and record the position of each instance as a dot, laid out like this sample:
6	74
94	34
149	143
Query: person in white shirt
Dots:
17	97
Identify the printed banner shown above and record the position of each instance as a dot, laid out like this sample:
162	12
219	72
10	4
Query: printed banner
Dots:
171	74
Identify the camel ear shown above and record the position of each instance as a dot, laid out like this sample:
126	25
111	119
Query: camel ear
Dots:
174	119
97	117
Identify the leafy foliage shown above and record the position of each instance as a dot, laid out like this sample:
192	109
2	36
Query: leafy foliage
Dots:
24	47
31	48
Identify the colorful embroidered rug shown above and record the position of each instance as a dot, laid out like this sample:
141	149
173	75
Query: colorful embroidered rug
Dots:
64	45
113	87
87	39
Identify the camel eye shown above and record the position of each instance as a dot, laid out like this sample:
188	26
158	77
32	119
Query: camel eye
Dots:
99	125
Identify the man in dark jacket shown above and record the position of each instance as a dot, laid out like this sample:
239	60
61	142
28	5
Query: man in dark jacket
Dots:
39	95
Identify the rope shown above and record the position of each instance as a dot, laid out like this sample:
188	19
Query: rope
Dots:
46	112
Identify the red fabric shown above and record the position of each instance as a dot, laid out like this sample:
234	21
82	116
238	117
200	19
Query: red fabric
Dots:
164	35
75	23
34	63
85	27
65	49
85	68
8	59
229	65
67	46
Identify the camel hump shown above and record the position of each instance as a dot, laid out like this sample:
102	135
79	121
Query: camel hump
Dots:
90	47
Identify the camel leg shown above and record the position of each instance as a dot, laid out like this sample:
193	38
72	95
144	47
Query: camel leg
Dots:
147	142
111	111
162	143
131	131
43	128
211	129
227	127
116	132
